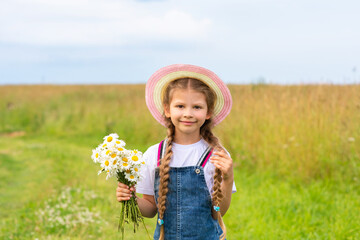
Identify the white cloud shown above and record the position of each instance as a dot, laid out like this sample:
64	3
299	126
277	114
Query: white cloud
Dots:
96	22
241	39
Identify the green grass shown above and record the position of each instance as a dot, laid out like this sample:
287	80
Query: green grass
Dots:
295	151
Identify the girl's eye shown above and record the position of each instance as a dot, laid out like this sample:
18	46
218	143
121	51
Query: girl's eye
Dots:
179	106
197	107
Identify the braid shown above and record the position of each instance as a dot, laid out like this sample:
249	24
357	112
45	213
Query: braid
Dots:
164	176
216	199
217	195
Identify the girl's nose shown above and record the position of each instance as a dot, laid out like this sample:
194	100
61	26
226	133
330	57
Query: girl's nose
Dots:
188	112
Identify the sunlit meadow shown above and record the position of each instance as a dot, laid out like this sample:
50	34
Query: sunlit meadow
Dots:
296	154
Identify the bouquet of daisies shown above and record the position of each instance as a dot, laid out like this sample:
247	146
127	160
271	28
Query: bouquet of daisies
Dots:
116	161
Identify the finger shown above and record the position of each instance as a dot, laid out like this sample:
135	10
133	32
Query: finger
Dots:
217	164
124	188
120	199
219	151
224	160
122	185
122	191
124	197
222	165
221	155
218	159
121	196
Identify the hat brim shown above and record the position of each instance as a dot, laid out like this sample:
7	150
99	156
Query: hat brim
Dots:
158	82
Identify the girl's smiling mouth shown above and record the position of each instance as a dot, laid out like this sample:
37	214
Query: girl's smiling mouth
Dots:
187	122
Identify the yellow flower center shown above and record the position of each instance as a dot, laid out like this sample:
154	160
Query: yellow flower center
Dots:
132	176
142	162
114	162
109	139
125	159
125	164
113	155
120	149
107	152
135	158
135	151
117	142
104	145
136	169
107	163
97	155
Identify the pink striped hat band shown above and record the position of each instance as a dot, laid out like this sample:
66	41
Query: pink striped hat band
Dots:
158	82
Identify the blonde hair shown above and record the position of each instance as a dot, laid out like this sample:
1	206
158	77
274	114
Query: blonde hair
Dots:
207	135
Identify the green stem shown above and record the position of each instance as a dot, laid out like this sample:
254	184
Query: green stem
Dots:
121	220
130	211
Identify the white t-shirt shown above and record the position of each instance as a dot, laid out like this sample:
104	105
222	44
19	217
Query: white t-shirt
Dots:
183	156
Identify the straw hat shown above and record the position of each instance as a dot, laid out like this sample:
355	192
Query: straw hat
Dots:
158	82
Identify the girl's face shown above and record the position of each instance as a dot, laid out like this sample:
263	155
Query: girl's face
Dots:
188	111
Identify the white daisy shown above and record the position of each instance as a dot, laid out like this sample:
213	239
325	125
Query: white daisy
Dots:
136	152
113	153
114	161
120	151
103	146
125	158
111	138
105	163
95	155
135	158
120	143
107	152
135	169
124	165
108	174
131	177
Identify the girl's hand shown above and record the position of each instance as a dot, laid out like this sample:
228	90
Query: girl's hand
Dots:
123	192
224	162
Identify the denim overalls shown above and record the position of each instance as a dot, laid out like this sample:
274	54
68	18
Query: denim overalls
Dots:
188	202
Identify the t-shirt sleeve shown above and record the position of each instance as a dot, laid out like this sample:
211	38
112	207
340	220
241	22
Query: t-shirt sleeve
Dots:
210	169
233	187
146	184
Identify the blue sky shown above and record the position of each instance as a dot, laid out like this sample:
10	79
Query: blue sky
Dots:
125	41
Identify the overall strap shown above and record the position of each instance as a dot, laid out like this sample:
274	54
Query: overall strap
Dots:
205	157
161	151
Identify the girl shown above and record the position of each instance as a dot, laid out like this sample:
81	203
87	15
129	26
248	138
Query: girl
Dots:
188	178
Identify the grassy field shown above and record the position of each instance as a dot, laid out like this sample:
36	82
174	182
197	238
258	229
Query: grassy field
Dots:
296	152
